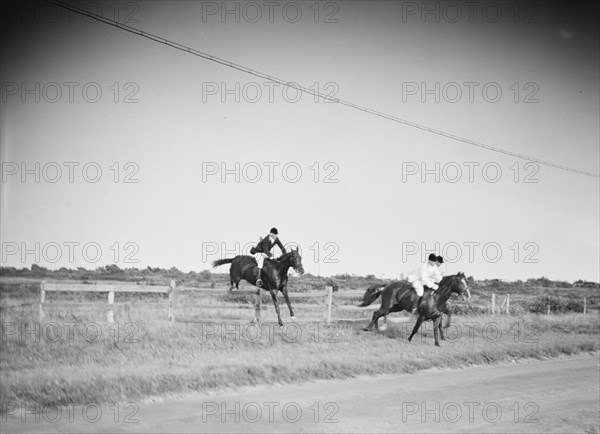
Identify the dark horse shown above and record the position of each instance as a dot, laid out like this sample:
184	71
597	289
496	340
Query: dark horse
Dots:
398	296
274	274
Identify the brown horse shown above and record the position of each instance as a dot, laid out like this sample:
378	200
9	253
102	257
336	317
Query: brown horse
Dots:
274	274
398	296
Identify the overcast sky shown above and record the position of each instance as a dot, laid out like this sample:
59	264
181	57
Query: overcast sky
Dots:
348	187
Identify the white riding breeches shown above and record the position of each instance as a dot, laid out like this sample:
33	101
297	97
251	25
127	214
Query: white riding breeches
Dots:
418	288
260	258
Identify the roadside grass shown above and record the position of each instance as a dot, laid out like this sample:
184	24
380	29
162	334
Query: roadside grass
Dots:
71	357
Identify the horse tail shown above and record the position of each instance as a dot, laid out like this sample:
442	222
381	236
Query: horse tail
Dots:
222	262
372	293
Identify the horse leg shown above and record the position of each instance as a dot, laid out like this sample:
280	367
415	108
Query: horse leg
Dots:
236	281
442	337
447	322
287	300
274	297
416	327
374	322
437	326
231	278
394	308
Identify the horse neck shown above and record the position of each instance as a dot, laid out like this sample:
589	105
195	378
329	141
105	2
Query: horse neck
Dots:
446	290
284	263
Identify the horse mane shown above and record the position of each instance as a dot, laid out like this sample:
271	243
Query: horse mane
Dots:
283	257
447	281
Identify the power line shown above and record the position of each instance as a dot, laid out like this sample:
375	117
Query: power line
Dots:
312	92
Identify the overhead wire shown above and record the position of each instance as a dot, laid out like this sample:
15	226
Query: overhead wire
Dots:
307	90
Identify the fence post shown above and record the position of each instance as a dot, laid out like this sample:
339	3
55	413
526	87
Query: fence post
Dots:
548	313
508	303
42	298
584	306
493	302
258	306
171	294
329	290
111	302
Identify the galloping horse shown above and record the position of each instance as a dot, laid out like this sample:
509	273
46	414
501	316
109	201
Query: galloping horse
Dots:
274	274
398	296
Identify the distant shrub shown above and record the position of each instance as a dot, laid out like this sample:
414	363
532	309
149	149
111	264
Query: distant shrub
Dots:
344	276
333	284
204	276
574	305
541	302
467	309
517	310
303	287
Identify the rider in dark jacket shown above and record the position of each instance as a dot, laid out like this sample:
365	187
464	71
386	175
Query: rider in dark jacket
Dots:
263	250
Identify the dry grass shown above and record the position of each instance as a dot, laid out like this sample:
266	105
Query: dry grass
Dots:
147	357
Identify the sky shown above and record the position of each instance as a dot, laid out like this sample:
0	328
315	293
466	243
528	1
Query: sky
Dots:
119	149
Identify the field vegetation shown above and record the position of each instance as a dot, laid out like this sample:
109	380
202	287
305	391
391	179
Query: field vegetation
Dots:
73	355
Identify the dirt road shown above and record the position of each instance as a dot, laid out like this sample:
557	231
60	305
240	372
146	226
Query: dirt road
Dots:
560	395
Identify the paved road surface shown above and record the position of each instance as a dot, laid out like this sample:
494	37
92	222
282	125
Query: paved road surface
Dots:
560	395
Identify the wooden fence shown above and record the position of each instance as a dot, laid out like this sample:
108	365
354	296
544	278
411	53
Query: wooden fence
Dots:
331	301
505	305
110	289
325	310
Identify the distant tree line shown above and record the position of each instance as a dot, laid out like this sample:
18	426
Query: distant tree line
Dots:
114	272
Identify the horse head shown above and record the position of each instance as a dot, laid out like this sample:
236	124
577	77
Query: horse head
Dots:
455	284
293	259
296	261
460	286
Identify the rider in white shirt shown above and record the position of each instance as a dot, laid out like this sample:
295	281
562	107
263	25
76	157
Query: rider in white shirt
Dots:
428	275
439	262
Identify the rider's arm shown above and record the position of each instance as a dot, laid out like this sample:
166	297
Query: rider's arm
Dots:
280	246
437	277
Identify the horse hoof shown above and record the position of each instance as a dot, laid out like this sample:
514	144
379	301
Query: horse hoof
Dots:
382	328
366	329
293	318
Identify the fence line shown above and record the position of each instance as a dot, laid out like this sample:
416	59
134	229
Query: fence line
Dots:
171	291
110	289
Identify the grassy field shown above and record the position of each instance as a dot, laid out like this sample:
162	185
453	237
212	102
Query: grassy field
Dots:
74	357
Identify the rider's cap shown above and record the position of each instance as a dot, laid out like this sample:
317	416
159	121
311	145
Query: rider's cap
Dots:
274	231
440	259
432	258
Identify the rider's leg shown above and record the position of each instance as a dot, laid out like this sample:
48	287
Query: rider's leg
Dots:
259	281
260	257
418	286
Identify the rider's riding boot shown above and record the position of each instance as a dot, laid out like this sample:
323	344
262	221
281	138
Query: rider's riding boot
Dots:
259	281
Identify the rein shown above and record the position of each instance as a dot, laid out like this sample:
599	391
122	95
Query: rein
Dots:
446	289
